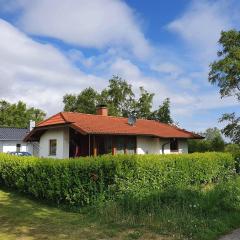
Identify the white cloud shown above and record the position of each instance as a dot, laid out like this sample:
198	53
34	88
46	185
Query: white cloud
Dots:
37	73
95	23
200	26
167	68
187	83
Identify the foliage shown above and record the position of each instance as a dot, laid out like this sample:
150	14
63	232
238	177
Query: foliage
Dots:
120	100
187	212
119	97
84	102
86	181
225	73
234	149
18	114
163	113
144	104
213	141
232	130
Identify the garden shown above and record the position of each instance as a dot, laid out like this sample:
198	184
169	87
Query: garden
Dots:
187	196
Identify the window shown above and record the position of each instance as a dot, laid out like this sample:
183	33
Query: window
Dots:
130	145
120	145
174	145
104	144
52	147
18	147
125	144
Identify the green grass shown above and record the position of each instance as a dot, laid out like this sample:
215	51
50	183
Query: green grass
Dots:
24	219
200	213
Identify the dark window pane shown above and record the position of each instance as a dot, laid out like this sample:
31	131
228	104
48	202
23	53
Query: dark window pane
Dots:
18	147
173	144
52	147
120	142
130	145
108	144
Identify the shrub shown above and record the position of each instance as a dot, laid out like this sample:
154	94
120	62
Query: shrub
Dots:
234	149
84	181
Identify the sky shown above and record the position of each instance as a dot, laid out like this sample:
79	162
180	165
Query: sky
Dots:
49	48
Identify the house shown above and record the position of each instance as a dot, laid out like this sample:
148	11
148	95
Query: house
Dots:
11	140
71	134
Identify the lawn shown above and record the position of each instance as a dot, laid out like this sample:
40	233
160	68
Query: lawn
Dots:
24	219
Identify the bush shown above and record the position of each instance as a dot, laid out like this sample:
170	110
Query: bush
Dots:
84	181
234	149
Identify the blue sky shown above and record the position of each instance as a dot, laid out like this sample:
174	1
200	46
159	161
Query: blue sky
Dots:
50	47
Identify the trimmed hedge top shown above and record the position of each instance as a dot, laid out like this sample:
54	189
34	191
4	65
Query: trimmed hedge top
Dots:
83	181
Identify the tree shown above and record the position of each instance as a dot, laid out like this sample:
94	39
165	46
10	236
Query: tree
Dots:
119	97
163	113
213	142
120	100
144	104
85	102
18	114
225	72
232	130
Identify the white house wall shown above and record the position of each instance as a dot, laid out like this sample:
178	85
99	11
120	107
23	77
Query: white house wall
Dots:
62	137
151	145
183	146
147	145
10	146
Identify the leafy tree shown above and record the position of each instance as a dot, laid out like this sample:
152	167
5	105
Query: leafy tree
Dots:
232	130
120	100
119	97
18	114
225	72
163	113
213	142
144	104
85	102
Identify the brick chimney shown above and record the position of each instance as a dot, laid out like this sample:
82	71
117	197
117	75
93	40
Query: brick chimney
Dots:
102	110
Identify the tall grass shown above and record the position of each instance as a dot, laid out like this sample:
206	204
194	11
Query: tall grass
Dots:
199	212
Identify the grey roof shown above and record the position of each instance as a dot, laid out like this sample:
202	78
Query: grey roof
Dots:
8	133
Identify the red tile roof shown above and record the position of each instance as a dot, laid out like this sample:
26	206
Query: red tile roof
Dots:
97	124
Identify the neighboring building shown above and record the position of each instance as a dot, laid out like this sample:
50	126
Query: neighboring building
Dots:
69	134
11	140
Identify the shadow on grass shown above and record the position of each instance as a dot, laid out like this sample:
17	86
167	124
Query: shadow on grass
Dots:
24	219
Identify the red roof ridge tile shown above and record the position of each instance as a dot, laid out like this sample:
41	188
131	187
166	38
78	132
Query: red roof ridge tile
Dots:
45	120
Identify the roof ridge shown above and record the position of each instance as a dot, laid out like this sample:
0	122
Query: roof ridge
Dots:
109	116
64	118
43	121
141	119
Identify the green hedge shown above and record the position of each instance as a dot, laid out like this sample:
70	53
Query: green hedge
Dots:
86	180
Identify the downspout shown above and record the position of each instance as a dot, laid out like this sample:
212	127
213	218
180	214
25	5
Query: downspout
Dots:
164	146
